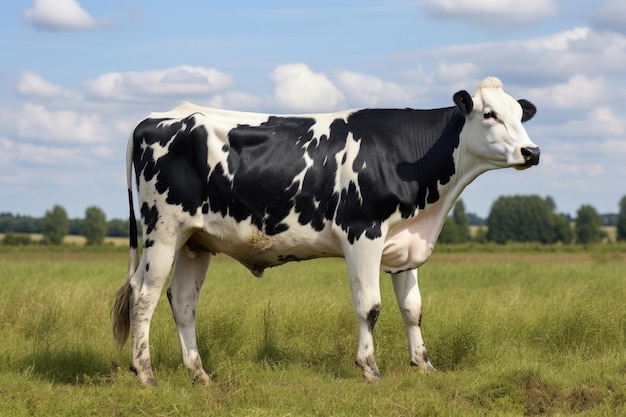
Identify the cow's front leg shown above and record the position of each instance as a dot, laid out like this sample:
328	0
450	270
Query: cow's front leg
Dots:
410	303
363	259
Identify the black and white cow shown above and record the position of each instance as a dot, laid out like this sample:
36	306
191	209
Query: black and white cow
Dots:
373	186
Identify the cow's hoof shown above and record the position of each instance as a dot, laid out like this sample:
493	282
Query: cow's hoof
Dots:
150	382
370	370
425	366
201	378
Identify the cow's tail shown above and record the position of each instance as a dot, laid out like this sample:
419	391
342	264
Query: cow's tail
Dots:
121	305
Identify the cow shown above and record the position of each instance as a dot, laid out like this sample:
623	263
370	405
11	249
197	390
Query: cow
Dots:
373	186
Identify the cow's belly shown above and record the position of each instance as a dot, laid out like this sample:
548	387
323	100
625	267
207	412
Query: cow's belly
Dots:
257	250
406	249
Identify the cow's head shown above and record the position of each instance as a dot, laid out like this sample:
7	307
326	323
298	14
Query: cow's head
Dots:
493	128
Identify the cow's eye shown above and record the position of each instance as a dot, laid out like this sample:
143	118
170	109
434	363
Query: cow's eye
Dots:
489	114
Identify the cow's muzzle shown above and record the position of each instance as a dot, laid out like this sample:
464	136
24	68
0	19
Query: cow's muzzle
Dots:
531	156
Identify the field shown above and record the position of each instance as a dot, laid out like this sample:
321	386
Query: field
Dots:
512	333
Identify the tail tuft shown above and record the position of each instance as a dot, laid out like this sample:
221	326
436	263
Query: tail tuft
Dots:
120	313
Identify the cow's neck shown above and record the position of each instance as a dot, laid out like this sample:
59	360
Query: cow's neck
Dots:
435	214
411	242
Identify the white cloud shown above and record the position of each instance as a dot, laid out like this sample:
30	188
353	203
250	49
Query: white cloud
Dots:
558	42
297	88
364	90
59	15
493	14
611	16
45	155
604	122
562	165
586	133
6	151
102	151
534	61
182	81
33	85
615	146
579	91
36	122
235	100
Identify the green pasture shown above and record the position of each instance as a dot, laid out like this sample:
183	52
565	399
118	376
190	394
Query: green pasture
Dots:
512	334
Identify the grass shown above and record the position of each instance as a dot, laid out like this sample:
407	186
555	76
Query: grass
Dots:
512	334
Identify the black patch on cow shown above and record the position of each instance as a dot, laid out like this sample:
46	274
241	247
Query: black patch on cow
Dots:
148	243
132	223
432	166
372	317
403	156
288	258
265	161
150	217
183	170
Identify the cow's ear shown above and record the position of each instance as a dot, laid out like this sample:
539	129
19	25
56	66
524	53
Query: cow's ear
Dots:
528	109
464	102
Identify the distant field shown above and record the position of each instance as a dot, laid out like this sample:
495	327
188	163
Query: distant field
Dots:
78	240
611	231
512	334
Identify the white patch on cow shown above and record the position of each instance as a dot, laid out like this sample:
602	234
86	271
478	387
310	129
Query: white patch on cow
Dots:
308	162
345	173
217	156
159	151
321	126
244	242
409	246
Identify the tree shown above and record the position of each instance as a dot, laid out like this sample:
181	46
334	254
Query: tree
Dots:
450	232
522	219
588	225
118	228
55	225
462	221
561	228
94	226
621	220
456	228
19	224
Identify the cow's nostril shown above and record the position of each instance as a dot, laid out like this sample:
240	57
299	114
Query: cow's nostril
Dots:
531	155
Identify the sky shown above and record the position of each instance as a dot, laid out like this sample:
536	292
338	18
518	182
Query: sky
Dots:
77	75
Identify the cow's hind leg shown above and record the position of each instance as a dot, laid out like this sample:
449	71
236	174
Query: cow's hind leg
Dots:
410	303
146	286
189	272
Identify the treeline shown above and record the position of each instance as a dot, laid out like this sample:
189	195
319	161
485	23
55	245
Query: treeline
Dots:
533	219
511	219
55	225
10	223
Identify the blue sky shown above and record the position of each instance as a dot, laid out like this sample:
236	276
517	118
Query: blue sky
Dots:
76	75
